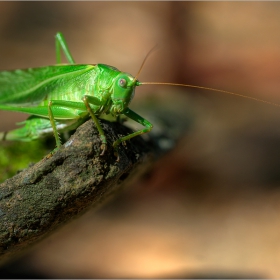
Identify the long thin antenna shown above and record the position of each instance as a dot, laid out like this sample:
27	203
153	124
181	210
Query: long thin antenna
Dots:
212	89
146	57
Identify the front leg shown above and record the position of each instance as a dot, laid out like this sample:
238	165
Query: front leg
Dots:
89	99
132	115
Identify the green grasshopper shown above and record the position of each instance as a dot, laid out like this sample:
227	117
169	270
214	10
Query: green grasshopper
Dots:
61	97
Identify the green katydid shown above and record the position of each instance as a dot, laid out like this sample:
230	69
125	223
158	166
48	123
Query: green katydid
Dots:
63	96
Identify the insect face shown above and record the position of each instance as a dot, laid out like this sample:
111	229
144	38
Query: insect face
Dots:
123	92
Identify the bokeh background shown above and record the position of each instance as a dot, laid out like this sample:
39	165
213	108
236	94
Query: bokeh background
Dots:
210	208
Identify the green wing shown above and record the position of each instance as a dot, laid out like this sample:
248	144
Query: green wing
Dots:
29	87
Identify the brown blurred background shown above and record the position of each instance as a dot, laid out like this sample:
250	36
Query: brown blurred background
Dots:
211	207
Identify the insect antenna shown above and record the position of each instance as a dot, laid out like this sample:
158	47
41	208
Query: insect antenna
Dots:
146	57
211	89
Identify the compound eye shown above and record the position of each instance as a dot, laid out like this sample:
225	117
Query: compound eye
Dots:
122	82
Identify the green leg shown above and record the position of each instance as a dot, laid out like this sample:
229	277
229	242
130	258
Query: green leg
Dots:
60	42
56	135
132	115
60	108
87	99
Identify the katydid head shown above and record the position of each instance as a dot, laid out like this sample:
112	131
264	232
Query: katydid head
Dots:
116	87
123	92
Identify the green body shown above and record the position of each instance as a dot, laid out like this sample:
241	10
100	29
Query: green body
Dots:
63	96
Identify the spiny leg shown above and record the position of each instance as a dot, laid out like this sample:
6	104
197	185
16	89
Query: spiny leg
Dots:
56	136
60	42
86	99
132	115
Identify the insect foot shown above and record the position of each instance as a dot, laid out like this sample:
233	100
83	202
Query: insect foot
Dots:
103	147
52	153
115	146
116	154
